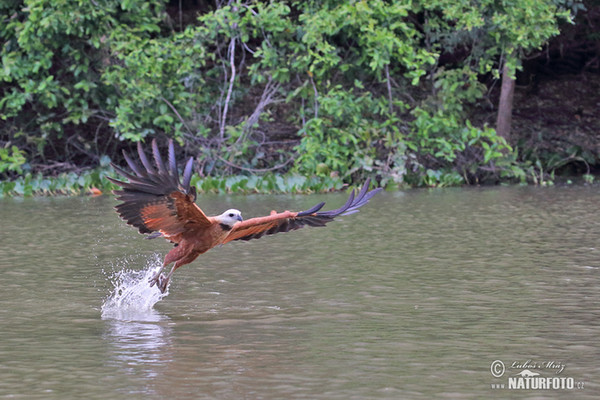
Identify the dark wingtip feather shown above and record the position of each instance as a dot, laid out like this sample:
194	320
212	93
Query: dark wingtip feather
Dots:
172	160
187	174
349	212
336	212
125	174
157	158
312	210
361	201
148	185
356	200
144	159
134	166
115	181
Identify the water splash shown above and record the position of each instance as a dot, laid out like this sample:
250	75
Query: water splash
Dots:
131	297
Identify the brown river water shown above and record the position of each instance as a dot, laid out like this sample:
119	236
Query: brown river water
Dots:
447	294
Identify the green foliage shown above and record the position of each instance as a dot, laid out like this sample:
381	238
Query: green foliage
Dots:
268	183
342	137
507	29
443	131
588	178
53	57
96	180
11	160
160	86
63	184
362	87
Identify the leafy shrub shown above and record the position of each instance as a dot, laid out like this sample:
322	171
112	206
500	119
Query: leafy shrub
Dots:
12	160
381	89
54	54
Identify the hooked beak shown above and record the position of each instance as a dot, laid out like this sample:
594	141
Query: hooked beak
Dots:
239	218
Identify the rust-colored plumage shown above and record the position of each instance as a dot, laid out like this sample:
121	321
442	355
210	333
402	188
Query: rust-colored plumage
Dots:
156	202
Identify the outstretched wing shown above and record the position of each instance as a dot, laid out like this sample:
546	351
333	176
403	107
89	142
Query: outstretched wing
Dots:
154	200
255	228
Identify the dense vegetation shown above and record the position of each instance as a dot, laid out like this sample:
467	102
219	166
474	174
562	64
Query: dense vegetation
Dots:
265	94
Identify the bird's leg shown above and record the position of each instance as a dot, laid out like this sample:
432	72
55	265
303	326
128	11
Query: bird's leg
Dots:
156	276
163	281
180	255
175	256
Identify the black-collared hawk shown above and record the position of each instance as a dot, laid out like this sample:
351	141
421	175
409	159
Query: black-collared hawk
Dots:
157	203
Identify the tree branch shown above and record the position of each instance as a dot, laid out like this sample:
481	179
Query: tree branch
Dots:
229	89
265	99
389	88
316	95
177	113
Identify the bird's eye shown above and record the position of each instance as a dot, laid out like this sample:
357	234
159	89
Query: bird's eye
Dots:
231	215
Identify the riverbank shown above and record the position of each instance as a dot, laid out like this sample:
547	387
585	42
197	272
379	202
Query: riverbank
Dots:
555	137
95	182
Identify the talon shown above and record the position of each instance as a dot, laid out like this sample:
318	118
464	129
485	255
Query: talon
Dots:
152	281
163	282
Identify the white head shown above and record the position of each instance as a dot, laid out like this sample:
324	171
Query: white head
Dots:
230	217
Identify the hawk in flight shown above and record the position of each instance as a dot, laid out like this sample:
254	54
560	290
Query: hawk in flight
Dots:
158	203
